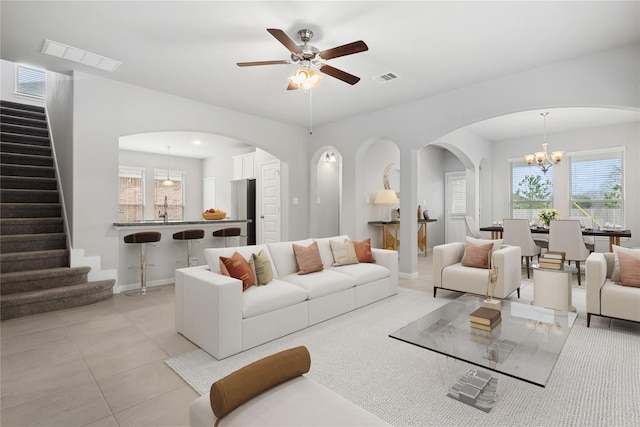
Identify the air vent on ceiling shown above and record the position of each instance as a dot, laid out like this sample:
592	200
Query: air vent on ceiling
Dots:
384	78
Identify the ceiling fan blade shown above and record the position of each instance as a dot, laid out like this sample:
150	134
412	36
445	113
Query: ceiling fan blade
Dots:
347	49
283	38
339	74
251	64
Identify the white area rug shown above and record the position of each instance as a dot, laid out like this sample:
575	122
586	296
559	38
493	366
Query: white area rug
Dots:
596	381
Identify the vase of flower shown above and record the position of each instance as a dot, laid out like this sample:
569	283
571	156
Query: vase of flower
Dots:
546	215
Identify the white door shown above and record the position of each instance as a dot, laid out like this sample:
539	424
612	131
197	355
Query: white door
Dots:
268	227
455	206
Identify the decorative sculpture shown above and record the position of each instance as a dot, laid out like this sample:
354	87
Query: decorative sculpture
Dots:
492	280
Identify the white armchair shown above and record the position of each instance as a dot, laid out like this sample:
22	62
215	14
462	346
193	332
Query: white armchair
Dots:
450	274
604	297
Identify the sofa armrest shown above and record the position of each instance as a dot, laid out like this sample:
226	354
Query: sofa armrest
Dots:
595	277
443	256
389	259
509	263
209	310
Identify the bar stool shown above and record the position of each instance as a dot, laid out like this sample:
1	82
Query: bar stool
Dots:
189	235
142	238
227	233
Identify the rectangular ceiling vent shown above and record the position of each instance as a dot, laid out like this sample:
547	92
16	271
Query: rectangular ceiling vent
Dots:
81	56
384	78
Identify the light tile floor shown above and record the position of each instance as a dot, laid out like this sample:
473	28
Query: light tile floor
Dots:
102	365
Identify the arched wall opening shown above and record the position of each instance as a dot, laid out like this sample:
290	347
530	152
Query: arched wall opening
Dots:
326	192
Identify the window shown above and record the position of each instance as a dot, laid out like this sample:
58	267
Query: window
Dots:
131	194
31	81
531	190
174	194
597	186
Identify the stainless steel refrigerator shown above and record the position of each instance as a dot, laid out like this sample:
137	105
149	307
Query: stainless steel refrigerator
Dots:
243	203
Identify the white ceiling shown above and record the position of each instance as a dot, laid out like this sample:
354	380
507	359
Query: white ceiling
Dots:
190	48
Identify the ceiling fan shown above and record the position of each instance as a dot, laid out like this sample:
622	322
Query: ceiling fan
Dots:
308	55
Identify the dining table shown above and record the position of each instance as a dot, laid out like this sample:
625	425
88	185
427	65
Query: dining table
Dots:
614	235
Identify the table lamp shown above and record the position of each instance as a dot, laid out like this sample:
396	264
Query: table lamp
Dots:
386	197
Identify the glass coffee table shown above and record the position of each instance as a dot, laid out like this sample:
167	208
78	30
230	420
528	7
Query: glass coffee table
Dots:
525	345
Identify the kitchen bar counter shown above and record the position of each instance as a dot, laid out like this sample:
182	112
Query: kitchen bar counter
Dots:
166	255
177	223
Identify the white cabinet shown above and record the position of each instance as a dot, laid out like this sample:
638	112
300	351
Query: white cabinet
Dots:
243	166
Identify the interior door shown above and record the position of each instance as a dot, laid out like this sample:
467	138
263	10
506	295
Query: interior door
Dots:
456	206
269	223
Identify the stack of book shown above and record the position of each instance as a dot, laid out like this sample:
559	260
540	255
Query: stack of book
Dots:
551	259
485	318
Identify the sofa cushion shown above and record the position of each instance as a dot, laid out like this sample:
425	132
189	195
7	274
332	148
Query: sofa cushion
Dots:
322	283
238	268
283	258
615	275
477	255
307	258
278	294
363	273
324	247
629	270
262	267
363	250
344	252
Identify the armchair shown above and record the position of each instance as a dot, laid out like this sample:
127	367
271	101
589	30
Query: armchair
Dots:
604	297
450	274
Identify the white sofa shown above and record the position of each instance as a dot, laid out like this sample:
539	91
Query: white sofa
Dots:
450	274
604	297
214	313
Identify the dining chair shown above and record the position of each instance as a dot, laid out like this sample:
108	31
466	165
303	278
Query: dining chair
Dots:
472	228
586	222
565	235
517	232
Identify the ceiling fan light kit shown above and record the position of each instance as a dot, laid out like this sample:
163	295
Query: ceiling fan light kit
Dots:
309	56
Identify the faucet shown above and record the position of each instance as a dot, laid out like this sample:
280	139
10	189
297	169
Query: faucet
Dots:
165	215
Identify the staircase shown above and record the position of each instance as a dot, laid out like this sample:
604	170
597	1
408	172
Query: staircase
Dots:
35	275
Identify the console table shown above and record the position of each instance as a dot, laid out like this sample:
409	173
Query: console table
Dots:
390	233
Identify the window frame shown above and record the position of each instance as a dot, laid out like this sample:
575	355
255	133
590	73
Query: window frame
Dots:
132	170
160	175
32	70
604	154
532	213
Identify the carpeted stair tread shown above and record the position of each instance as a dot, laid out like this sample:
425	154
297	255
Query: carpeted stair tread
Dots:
37	280
44	301
34	255
32	242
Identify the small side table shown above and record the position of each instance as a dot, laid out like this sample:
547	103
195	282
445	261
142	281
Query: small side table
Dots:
552	288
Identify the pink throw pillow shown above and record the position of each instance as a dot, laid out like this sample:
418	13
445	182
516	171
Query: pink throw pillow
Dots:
307	258
629	270
477	255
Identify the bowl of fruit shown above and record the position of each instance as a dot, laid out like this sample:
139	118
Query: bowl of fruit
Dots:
210	214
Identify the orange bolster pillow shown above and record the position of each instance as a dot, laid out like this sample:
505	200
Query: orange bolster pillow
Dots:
244	384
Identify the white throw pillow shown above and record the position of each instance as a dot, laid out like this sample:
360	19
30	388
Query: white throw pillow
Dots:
497	244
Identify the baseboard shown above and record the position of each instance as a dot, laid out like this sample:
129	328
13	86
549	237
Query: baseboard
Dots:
408	275
122	288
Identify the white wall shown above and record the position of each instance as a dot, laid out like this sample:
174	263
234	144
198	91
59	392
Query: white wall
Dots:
609	78
106	109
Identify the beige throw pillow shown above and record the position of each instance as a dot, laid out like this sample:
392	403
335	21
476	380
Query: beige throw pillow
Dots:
344	253
262	265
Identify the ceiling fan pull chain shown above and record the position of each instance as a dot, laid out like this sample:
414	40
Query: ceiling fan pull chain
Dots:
310	114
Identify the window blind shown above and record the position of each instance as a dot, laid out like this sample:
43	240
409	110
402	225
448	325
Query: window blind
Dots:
31	81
